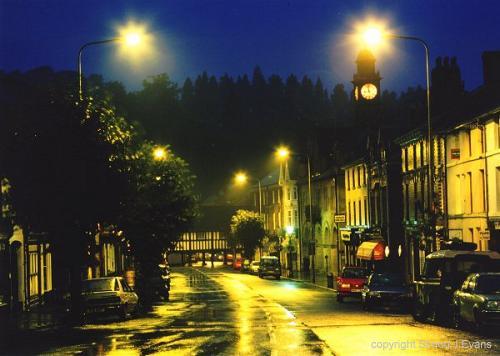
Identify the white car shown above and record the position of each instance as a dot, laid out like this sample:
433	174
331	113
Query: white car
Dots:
254	267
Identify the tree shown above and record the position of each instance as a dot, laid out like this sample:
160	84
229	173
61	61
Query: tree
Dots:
159	206
247	231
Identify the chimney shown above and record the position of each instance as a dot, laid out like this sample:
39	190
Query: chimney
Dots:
491	67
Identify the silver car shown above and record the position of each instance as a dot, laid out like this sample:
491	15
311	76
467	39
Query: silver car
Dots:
109	295
478	300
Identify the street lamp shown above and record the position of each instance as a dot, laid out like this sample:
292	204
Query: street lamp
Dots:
283	153
159	153
130	36
372	37
241	178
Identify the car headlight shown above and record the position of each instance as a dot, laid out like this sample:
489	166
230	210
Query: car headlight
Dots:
493	304
345	285
374	294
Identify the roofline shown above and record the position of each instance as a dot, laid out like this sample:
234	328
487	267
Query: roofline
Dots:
476	119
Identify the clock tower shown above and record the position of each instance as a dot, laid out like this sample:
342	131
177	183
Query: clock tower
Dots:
366	91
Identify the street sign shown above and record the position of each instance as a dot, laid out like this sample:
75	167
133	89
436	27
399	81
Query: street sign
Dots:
339	218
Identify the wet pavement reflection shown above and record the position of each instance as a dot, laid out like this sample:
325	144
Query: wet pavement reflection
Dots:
206	315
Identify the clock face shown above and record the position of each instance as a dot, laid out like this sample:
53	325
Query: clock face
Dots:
369	91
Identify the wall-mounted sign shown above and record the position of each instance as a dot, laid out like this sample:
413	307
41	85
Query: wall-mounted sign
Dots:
339	218
484	235
455	153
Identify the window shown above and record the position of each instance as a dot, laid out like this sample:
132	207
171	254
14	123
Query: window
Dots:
296	213
469	195
366	211
288	194
294	192
482	199
354	211
498	188
359	208
33	271
348	177
273	197
289	217
359	176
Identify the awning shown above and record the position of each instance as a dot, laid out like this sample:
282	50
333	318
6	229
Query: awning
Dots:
371	251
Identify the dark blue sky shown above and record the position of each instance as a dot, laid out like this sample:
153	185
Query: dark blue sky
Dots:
283	37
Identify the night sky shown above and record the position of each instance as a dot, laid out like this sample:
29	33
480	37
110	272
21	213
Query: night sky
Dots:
283	37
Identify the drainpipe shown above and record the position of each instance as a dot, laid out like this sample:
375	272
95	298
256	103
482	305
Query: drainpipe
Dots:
486	193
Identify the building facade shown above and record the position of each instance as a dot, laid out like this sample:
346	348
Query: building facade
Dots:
473	170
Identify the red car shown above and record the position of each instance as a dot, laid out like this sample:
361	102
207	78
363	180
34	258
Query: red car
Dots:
351	282
237	263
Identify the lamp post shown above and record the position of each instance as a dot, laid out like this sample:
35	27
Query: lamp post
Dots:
372	37
130	36
283	154
80	52
241	178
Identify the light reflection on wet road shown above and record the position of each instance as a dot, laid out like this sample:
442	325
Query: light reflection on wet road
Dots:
207	315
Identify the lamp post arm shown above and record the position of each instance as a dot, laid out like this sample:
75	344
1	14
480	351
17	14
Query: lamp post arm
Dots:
80	51
429	127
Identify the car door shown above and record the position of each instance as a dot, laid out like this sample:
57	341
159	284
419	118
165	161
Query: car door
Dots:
131	296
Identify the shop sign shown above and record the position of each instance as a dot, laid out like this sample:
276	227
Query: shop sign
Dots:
484	235
339	218
455	153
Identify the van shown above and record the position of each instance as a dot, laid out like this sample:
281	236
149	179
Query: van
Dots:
444	272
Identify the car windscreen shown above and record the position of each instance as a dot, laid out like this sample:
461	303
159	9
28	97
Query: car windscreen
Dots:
354	273
387	280
97	285
269	262
488	284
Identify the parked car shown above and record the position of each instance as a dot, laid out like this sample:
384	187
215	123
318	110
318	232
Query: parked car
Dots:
237	263
109	295
254	267
478	301
245	266
445	272
269	266
351	281
386	289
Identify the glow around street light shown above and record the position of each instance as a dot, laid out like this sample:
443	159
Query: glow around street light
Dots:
136	43
240	178
159	154
282	153
132	39
372	36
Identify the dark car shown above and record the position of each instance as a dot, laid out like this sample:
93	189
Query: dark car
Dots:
270	266
478	301
386	289
108	295
445	272
351	281
245	266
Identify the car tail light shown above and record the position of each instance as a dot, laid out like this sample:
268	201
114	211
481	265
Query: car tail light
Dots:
345	285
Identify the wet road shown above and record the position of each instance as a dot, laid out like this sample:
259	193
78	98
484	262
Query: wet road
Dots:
214	312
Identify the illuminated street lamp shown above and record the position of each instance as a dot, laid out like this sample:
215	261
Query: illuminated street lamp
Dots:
159	154
130	36
241	178
372	37
283	153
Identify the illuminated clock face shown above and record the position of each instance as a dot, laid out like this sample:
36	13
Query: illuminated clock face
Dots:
369	91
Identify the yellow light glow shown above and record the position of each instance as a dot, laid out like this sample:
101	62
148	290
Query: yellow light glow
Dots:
282	153
372	36
159	153
240	178
132	39
136	43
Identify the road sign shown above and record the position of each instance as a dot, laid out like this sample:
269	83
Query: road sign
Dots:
339	218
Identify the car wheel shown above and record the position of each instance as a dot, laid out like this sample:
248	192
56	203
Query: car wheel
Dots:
122	312
419	311
478	324
456	318
340	298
